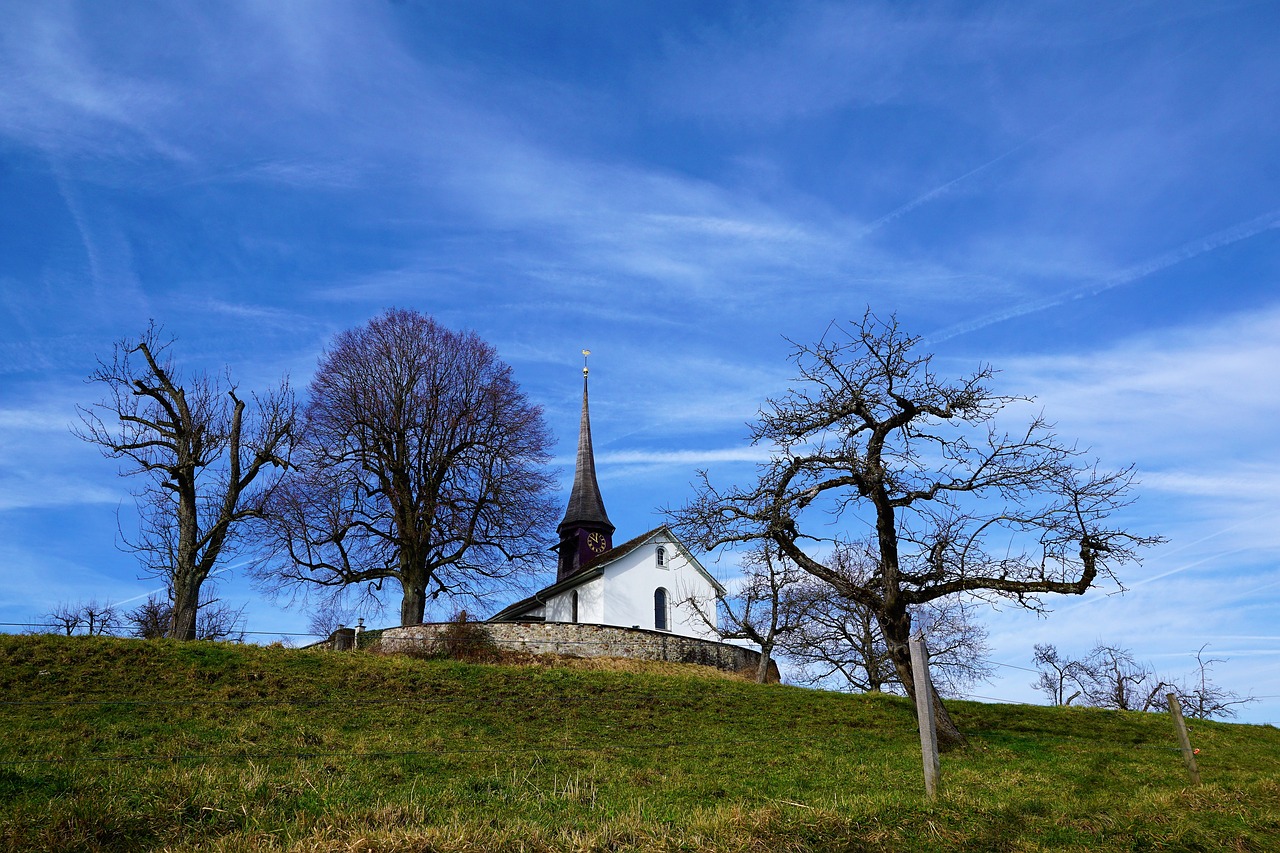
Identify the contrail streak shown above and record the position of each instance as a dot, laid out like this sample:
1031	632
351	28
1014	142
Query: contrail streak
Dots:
166	589
937	191
1185	252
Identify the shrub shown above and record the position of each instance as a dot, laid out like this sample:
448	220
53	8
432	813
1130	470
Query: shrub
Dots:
465	640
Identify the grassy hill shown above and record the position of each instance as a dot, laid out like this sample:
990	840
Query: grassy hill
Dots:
131	745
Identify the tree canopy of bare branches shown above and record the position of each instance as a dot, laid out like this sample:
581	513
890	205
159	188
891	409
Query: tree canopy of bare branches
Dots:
839	642
91	618
420	461
871	438
200	453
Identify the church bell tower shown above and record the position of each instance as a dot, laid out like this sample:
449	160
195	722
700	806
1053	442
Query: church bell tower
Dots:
585	532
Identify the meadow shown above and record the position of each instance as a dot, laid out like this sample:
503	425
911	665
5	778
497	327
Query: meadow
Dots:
114	745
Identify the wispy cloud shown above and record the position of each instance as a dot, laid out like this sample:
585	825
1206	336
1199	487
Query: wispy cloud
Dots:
685	458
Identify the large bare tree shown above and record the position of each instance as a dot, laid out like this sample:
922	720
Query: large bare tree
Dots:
420	461
871	439
201	454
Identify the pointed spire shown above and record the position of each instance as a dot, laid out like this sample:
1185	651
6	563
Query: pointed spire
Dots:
586	507
585	532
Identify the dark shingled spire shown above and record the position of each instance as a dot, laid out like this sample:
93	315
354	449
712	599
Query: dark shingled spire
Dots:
585	514
585	503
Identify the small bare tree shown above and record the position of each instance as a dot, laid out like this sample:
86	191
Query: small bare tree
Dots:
765	608
65	618
200	453
1059	677
1202	699
421	461
329	617
91	618
869	435
153	619
840	642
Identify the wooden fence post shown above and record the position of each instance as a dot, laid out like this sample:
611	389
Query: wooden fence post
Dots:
1188	754
924	713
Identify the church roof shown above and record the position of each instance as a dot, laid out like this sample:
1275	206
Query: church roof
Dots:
595	569
586	507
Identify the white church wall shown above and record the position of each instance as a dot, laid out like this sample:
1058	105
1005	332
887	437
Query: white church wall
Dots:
633	579
591	609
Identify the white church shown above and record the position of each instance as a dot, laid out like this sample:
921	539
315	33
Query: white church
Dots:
647	598
650	582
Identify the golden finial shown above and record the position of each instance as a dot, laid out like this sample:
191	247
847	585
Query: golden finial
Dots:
585	353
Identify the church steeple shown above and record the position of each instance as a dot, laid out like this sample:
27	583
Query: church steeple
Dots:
585	531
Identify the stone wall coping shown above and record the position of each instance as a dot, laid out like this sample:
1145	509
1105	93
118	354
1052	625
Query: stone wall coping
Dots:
589	639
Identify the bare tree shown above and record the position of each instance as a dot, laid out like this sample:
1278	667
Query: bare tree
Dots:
954	504
765	608
66	618
200	453
1059	677
1110	677
421	461
1202	699
91	618
840	641
153	619
329	617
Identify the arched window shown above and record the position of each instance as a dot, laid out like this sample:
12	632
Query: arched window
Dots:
662	557
573	600
660	617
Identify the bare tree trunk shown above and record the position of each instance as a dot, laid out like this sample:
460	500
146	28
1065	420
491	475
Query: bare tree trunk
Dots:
186	576
186	604
897	636
413	603
766	657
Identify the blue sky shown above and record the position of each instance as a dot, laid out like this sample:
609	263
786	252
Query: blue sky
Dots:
1085	195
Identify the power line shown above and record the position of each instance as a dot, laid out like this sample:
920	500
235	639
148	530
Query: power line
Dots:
1008	665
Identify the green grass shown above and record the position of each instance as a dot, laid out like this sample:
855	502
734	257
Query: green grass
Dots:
131	745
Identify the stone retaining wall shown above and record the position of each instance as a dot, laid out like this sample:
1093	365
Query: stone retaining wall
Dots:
565	638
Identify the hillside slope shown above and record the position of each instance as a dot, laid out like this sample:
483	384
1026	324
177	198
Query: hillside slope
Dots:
131	745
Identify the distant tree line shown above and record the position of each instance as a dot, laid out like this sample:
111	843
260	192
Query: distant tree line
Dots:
1109	676
150	620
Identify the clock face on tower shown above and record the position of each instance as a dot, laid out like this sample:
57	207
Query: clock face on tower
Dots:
597	543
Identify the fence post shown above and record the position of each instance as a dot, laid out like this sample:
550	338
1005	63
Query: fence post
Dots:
1188	754
924	713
